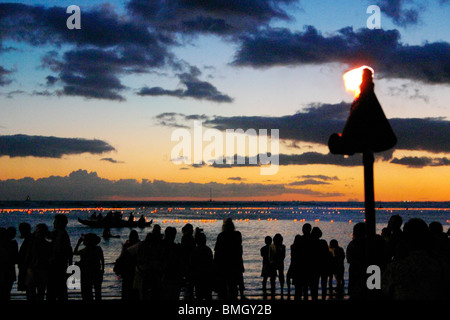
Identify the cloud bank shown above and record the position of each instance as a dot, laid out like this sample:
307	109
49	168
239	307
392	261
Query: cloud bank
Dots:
83	185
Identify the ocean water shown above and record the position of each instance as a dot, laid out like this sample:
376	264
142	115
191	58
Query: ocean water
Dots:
253	220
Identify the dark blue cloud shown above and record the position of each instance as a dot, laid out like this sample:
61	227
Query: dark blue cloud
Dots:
419	162
320	177
100	27
307	182
397	11
308	158
4	73
106	47
194	88
95	72
21	145
111	160
220	17
404	13
378	48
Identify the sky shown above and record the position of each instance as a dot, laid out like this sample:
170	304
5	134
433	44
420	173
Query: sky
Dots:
95	113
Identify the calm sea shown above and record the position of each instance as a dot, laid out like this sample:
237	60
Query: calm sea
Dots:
254	220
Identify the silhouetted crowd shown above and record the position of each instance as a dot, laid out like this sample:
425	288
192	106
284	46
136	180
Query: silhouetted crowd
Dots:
414	263
42	260
159	268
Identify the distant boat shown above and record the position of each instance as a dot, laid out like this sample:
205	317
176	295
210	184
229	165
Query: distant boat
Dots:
115	224
27	203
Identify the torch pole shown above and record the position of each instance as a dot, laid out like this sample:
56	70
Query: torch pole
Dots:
369	203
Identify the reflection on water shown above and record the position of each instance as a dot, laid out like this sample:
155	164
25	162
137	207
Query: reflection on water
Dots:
253	222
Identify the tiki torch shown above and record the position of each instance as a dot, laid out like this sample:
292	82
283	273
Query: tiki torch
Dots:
366	131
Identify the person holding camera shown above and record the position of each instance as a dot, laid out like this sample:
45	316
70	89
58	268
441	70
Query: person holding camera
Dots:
92	266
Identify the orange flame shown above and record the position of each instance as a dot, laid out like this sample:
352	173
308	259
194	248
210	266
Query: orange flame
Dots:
353	79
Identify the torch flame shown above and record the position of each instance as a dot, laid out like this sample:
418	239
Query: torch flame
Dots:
353	79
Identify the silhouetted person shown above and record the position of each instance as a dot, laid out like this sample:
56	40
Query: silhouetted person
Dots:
202	268
107	234
125	266
395	247
292	275
8	275
61	258
241	284
133	238
156	232
420	275
323	261
439	241
131	217
92	266
117	217
171	266
356	257
276	258
4	267
187	246
338	268
141	220
27	236
380	255
307	268
228	259
266	270
109	218
37	260
4	262
148	257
